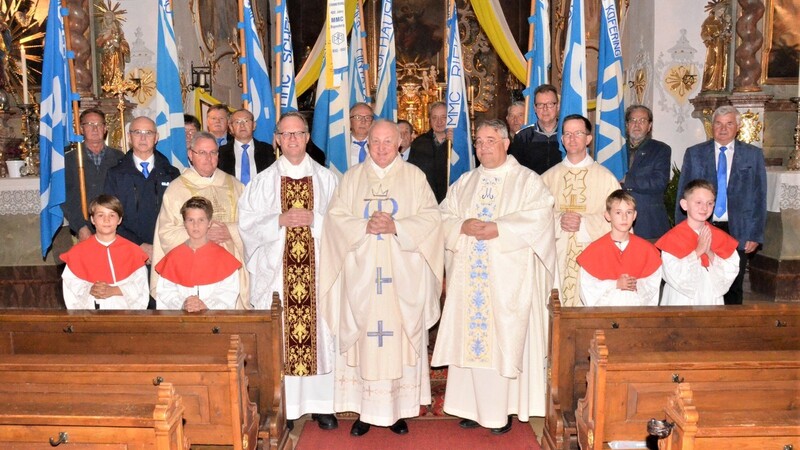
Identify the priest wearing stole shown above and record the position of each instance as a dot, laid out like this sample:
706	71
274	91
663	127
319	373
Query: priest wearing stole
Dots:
580	186
202	179
500	263
382	264
281	214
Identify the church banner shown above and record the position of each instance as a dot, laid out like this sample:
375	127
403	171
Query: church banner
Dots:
330	129
573	85
461	157
335	43
386	95
359	90
259	87
286	88
169	103
609	140
539	55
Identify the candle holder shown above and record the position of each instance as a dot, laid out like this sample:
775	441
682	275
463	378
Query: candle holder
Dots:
119	87
29	128
794	156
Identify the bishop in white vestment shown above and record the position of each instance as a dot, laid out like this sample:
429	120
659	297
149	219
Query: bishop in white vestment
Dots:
500	263
382	264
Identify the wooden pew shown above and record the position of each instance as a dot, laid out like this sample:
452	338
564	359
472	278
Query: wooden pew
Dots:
90	421
641	329
626	389
764	423
218	410
165	333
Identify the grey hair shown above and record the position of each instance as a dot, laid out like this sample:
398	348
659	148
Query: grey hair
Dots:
393	125
200	135
496	124
519	103
292	114
725	110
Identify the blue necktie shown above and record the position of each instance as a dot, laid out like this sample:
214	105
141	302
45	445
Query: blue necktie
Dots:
362	152
722	184
222	141
145	172
245	164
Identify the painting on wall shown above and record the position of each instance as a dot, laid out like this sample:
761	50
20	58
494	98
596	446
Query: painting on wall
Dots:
419	32
781	56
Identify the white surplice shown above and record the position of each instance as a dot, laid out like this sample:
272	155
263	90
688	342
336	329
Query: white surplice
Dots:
689	283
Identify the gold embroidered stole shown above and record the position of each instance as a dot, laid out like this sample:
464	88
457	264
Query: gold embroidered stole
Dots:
573	199
299	293
225	208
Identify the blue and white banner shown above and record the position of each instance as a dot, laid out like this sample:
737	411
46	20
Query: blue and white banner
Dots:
610	146
573	84
386	94
461	156
539	54
169	104
259	88
287	90
56	126
335	43
330	129
358	61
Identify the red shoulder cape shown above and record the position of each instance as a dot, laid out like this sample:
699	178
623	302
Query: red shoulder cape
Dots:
206	265
682	240
604	260
88	260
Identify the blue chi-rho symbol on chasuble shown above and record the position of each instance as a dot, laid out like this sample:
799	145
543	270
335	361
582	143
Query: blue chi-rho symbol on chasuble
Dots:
380	333
375	203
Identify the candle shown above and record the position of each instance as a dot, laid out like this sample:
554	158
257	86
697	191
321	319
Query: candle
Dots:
24	72
798	84
136	74
471	93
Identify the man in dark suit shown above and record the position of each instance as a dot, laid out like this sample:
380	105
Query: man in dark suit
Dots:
244	157
737	171
429	151
97	159
216	122
648	173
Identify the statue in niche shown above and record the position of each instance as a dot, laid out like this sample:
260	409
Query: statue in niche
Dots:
114	48
716	32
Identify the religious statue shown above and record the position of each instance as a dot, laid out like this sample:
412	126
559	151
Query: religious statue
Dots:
114	49
716	32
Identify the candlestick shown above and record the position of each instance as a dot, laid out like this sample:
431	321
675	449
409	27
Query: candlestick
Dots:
24	73
471	93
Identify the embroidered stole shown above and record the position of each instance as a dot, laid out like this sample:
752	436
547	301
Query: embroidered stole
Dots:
300	297
573	199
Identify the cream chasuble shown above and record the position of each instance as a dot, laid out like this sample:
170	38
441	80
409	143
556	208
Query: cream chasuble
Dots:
223	191
581	188
380	293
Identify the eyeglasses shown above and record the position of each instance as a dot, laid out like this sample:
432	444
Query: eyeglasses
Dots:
576	134
640	121
143	133
549	105
360	118
292	134
241	121
485	143
212	154
93	124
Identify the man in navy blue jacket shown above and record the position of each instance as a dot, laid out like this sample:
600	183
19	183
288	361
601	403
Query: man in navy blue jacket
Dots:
139	182
737	171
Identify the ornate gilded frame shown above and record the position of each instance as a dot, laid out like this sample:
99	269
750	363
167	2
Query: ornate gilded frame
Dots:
779	60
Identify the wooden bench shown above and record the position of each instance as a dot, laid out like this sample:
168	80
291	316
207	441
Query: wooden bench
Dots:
218	410
765	422
89	421
625	390
644	329
93	332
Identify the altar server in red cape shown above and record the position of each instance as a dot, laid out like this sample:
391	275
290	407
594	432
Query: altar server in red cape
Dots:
197	274
700	260
105	271
620	268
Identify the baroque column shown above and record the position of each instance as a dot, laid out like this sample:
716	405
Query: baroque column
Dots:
79	43
750	40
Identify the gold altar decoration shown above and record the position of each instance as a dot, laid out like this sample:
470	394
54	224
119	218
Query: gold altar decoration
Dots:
147	86
680	80
18	27
29	129
419	88
119	87
111	43
794	157
706	119
750	131
716	32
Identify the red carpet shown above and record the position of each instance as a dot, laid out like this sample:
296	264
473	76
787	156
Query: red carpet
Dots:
422	434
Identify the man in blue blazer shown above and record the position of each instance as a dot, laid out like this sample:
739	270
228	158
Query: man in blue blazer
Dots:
647	178
741	208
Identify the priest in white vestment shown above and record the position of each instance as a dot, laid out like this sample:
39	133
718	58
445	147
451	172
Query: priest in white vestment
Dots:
202	179
580	186
500	264
382	264
280	220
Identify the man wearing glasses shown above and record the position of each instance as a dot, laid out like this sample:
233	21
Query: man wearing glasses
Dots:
280	220
580	186
139	182
536	146
361	116
243	156
97	159
203	178
648	173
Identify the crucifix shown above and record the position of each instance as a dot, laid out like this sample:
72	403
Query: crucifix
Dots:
379	280
380	333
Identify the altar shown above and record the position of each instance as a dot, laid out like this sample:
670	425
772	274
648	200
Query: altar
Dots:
775	269
24	274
